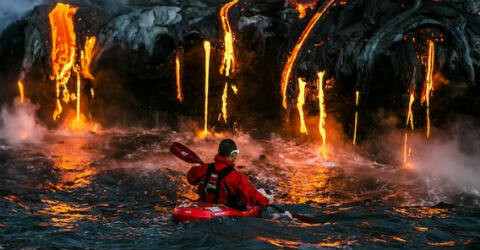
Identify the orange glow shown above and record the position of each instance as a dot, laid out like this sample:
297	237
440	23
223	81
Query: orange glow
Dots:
300	103
357	100
235	89
287	70
323	113
228	62
407	150
224	103
179	86
87	56
429	81
63	52
207	48
20	90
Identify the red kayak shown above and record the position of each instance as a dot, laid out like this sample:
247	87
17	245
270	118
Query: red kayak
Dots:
203	211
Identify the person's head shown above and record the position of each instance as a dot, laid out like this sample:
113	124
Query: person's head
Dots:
228	149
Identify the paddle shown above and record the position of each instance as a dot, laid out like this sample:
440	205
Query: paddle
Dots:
187	155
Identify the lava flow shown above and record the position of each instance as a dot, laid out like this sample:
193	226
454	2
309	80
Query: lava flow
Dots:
86	57
63	54
407	150
224	103
287	70
177	79
20	91
323	113
300	103
228	62
207	48
357	99
429	81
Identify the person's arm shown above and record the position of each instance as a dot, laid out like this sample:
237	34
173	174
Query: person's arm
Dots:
249	193
194	174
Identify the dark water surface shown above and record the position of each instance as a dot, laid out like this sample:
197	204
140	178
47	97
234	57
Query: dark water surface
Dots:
117	190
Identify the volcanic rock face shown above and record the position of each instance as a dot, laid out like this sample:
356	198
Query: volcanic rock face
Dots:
369	46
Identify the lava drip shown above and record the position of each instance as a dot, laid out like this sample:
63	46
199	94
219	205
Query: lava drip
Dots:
63	54
357	102
429	81
287	70
86	57
224	103
178	78
323	113
207	48
300	103
407	150
20	91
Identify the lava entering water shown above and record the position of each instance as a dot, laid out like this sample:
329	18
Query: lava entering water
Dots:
63	52
323	113
287	70
300	103
407	150
429	81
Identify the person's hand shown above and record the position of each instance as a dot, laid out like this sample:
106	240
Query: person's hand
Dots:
270	197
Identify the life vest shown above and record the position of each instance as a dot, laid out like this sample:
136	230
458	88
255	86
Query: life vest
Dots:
212	184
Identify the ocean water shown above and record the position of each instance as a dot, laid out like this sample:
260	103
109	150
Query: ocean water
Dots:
117	189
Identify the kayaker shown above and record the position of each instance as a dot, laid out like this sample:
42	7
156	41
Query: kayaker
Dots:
220	183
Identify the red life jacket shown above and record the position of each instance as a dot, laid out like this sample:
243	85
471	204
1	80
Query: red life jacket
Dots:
212	185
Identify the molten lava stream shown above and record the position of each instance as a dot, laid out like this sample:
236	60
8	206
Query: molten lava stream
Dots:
323	113
63	54
357	99
207	48
20	91
87	56
287	70
177	79
407	150
300	103
228	62
224	103
429	81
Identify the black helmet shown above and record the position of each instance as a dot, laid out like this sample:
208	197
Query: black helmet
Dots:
227	147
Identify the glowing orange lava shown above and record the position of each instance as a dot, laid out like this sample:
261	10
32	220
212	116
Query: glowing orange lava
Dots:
429	81
323	113
300	103
20	91
207	48
235	89
357	99
410	113
224	103
287	70
63	52
177	78
228	62
78	96
86	57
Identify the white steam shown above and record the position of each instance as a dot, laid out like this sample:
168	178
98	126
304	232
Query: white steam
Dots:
19	124
446	164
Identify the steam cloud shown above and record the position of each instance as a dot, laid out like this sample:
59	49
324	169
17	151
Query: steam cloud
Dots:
19	124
